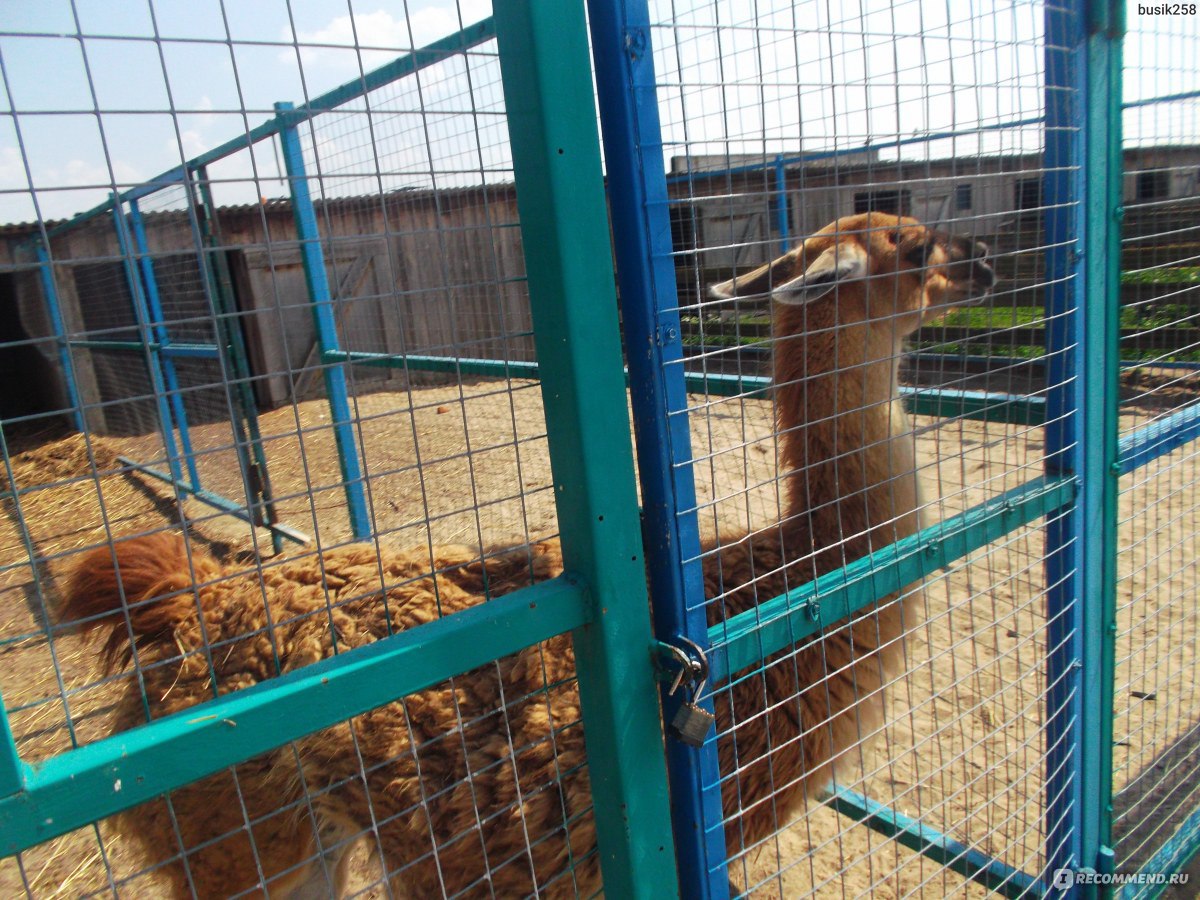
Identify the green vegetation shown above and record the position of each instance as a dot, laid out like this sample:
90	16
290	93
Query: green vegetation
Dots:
1161	315
1017	351
996	327
1171	275
1157	315
993	317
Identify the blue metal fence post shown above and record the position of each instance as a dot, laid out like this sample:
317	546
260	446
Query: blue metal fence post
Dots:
54	309
151	348
158	331
782	217
308	234
1082	196
637	190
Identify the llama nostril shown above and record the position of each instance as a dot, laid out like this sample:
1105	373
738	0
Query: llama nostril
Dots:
982	274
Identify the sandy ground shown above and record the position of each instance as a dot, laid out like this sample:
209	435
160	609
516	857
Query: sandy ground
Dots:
962	747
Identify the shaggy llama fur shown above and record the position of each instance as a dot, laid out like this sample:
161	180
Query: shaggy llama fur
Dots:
478	786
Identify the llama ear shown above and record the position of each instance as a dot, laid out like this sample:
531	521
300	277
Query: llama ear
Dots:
758	282
844	261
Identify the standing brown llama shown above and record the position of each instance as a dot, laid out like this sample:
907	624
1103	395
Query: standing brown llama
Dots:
478	786
846	299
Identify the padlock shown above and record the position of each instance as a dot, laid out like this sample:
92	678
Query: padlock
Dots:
690	724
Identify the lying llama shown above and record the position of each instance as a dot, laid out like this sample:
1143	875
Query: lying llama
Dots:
478	785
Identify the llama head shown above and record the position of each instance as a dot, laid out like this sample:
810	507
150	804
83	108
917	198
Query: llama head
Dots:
874	266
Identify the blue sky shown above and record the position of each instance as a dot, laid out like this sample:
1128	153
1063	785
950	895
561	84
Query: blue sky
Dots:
173	78
137	80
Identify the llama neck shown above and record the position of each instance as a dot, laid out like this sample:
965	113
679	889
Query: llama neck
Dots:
846	443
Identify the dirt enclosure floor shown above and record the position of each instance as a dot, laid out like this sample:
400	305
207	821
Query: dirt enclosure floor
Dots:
962	748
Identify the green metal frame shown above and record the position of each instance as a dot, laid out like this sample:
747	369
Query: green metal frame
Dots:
973	865
105	777
1100	442
568	256
750	637
601	597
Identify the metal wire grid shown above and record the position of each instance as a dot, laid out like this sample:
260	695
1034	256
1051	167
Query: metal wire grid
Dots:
123	386
430	279
1155	728
437	146
1011	561
203	390
440	467
931	116
961	748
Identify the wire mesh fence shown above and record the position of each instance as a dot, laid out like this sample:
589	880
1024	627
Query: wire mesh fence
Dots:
368	310
187	309
777	122
1154	703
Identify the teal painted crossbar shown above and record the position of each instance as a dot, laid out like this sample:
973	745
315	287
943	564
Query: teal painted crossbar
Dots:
751	636
990	406
454	364
1159	438
993	874
216	501
83	785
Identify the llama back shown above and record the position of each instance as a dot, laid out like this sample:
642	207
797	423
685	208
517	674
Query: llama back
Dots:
505	738
149	578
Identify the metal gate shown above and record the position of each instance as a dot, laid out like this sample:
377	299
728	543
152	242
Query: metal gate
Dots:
160	333
1022	750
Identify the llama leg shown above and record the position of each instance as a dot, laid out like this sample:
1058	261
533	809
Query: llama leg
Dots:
327	872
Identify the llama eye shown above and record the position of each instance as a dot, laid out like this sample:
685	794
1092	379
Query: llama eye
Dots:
919	256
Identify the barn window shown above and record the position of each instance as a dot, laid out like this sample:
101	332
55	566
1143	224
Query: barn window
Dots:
1154	184
1028	193
896	202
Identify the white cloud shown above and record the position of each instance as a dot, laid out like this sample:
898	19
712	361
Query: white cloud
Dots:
12	172
191	140
395	35
205	105
376	29
62	190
